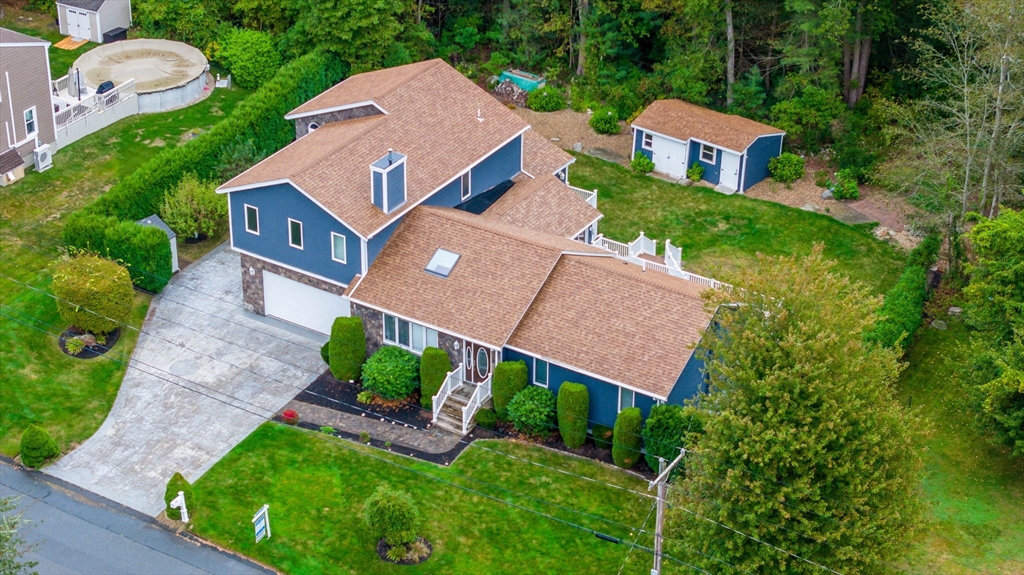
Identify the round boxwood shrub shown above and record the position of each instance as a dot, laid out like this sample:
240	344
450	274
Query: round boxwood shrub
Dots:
486	418
641	164
392	372
93	294
509	379
434	366
626	438
325	352
251	56
695	173
392	515
663	433
845	186
573	408
532	410
176	484
546	99
786	168
602	436
604	121
347	349
37	446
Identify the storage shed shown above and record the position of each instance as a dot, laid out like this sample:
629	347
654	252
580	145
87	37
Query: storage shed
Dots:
95	20
734	151
156	222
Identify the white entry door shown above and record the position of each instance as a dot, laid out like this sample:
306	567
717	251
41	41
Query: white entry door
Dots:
729	177
669	156
301	304
78	24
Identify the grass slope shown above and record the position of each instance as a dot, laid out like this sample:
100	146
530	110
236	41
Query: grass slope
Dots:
316	491
37	383
719	233
973	490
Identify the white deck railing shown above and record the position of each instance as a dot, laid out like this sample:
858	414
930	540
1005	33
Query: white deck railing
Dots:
451	382
480	396
96	104
673	255
59	85
673	259
643	245
590	197
618	248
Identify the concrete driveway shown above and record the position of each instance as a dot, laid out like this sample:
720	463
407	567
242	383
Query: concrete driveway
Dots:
204	375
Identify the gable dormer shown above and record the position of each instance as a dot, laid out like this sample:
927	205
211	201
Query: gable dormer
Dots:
387	180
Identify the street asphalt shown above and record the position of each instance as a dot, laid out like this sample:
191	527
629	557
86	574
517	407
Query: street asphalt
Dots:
71	530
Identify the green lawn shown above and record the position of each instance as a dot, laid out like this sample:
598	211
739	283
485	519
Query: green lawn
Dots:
316	490
37	384
973	490
720	233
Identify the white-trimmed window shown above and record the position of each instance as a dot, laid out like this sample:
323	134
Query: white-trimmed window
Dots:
407	334
540	372
338	248
708	153
312	127
466	190
295	233
30	122
626	398
648	141
252	219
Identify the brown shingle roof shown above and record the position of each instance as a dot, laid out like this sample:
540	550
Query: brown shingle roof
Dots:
683	120
541	157
543	204
9	160
362	87
431	118
611	319
12	37
499	271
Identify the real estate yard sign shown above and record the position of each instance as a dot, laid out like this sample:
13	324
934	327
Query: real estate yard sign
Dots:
261	522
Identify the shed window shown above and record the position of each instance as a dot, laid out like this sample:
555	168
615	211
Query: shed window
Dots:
442	262
708	153
625	398
252	219
648	143
30	121
295	233
465	186
338	247
540	372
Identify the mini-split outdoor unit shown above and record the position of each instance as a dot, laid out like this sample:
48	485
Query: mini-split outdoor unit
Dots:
43	158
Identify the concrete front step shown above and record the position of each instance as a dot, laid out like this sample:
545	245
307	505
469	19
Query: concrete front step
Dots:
445	421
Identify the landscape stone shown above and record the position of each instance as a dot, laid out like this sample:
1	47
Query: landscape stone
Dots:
827	194
577	147
954	310
809	207
938	324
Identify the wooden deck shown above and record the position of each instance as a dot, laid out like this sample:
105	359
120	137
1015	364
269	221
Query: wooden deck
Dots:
71	43
652	259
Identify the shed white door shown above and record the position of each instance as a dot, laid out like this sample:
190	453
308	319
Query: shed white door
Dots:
301	304
669	156
78	24
729	177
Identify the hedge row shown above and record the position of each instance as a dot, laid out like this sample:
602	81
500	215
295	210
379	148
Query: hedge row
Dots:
144	250
904	304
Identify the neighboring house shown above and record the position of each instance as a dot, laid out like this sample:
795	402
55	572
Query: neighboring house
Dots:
92	19
733	150
25	106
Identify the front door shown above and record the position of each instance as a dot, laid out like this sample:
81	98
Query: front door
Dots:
729	177
479	361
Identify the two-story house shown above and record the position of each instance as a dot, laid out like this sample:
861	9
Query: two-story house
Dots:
26	111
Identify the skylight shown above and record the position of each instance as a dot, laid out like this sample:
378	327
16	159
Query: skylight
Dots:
442	262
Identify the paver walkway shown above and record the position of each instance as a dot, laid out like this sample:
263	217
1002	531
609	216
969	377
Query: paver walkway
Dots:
203	376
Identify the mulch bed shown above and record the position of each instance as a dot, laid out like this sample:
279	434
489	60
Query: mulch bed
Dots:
326	391
90	351
383	548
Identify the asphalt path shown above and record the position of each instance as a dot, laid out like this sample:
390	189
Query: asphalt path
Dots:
71	530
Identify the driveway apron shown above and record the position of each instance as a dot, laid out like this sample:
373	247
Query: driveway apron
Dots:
204	374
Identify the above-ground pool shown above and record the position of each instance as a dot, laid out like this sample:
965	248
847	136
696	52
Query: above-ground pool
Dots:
167	74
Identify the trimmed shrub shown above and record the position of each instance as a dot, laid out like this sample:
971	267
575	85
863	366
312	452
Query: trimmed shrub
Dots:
845	186
786	168
509	378
391	514
193	207
821	178
546	99
926	252
392	372
486	418
144	250
37	446
626	437
347	350
663	433
605	121
901	310
176	484
434	366
93	294
573	408
251	56
85	231
532	410
695	173
602	436
325	352
641	164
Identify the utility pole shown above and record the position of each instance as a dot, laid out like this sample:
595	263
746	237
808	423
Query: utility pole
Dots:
662	481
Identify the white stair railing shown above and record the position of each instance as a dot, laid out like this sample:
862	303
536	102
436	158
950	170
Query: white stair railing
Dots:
673	255
620	249
480	395
451	382
588	196
59	85
643	245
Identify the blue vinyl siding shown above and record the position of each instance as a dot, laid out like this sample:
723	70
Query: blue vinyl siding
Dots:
447	197
711	171
276	204
376	243
691	380
396	187
500	166
604	397
378	190
756	166
638	145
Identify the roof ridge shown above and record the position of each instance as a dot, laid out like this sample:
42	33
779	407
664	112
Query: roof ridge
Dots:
433	64
495	227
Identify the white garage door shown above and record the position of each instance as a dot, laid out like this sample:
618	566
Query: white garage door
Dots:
301	304
669	156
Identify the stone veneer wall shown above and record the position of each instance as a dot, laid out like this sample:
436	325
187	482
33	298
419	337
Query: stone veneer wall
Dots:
373	326
302	124
252	284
